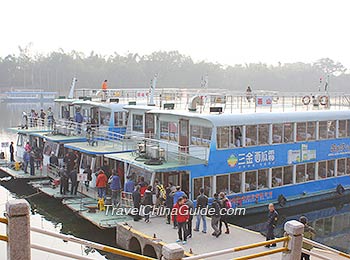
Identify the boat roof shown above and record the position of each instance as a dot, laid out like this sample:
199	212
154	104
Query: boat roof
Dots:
59	138
30	130
31	92
107	147
65	100
172	164
226	119
141	107
112	106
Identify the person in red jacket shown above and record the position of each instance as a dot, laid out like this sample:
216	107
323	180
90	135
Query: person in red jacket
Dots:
181	212
101	184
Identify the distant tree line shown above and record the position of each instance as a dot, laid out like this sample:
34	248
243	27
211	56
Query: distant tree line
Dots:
55	71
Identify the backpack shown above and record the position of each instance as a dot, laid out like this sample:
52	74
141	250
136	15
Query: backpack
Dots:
228	204
162	192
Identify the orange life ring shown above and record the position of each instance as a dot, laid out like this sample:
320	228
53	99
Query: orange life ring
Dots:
323	100
306	100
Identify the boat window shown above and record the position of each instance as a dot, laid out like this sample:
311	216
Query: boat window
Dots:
348	127
105	118
200	135
164	130
310	171
137	123
118	119
311	131
277	133
262	179
251	135
342	128
348	166
251	180
197	185
300	177
277	177
85	161
287	175
341	167
330	168
263	134
173	131
322	170
60	151
235	182
222	137
49	148
288	133
236	133
222	182
301	131
208	186
327	129
20	140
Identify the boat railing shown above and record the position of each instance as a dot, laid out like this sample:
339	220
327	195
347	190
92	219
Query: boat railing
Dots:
70	127
31	122
102	137
161	149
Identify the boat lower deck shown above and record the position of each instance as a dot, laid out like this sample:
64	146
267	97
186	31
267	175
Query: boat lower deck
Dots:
20	174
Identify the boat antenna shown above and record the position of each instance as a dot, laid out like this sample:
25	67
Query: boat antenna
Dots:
152	90
71	91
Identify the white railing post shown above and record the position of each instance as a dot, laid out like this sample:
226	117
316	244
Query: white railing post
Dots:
18	230
294	230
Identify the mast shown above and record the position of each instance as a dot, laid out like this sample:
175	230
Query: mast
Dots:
72	87
152	90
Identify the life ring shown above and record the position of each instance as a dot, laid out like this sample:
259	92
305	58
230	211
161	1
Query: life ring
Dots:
275	99
282	200
306	100
323	100
340	189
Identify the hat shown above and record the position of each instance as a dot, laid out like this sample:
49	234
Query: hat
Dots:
303	219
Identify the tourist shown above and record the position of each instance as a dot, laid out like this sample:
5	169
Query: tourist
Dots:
202	205
115	186
147	202
24	120
215	215
136	198
50	118
169	201
309	233
53	160
160	193
12	153
249	93
271	224
26	158
129	185
79	120
74	182
63	180
190	206
28	147
101	184
88	173
38	155
32	163
69	161
225	206
178	194
142	184
181	217
42	117
104	90
31	117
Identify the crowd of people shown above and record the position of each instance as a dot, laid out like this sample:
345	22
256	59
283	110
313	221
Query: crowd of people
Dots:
35	119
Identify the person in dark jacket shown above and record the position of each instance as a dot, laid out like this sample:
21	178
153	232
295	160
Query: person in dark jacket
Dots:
115	186
74	181
190	206
53	160
12	152
147	202
88	173
26	159
271	224
309	233
215	215
32	163
225	206
63	180
136	198
169	201
201	207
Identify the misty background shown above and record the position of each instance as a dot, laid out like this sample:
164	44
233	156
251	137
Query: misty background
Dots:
55	70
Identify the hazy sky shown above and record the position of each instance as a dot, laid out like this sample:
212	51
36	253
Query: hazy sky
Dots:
228	32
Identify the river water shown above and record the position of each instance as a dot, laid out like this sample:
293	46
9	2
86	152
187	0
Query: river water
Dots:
331	219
